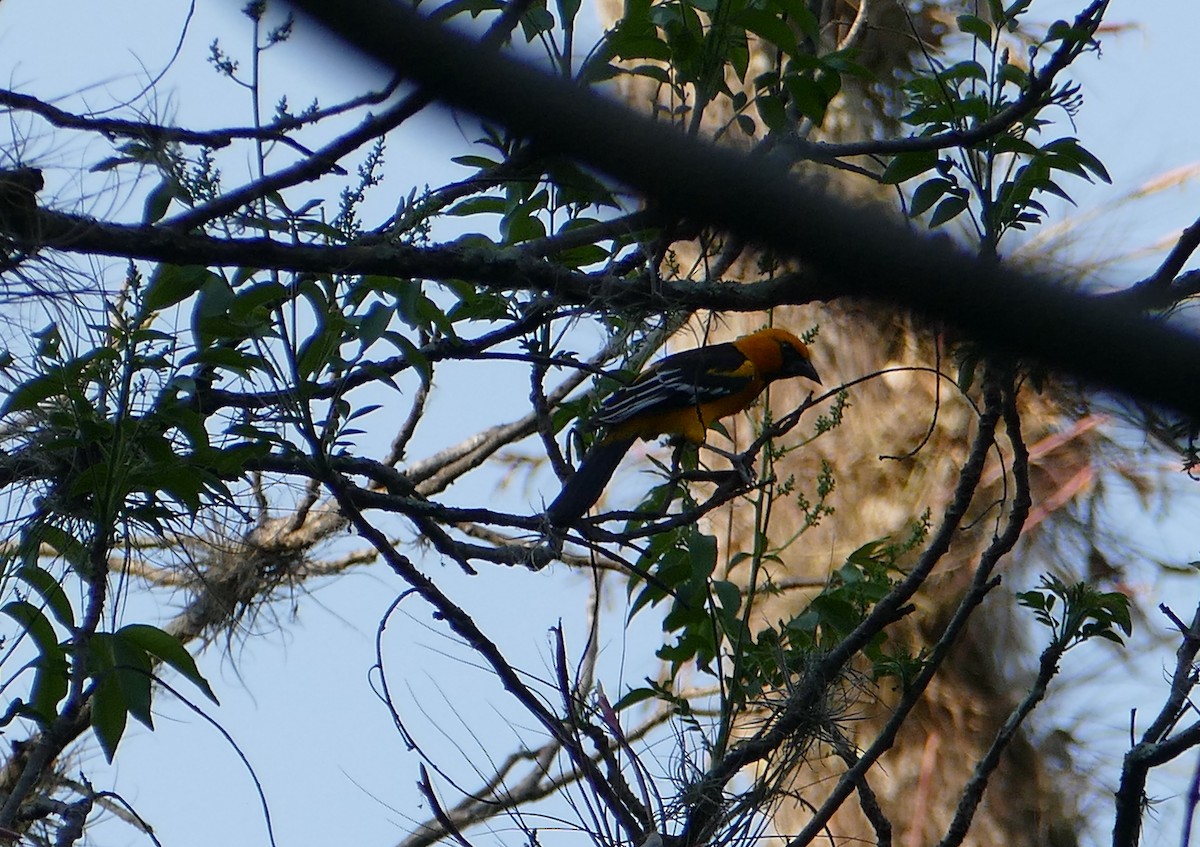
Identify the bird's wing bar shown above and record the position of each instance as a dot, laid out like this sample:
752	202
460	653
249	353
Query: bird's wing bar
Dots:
678	382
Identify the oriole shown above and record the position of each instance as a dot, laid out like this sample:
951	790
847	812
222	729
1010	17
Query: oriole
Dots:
682	395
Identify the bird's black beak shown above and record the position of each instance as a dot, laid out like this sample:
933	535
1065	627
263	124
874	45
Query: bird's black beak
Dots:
796	363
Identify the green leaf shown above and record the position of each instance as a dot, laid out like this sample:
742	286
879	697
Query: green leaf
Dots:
728	595
1070	156
770	28
947	210
974	106
110	163
1093	164
132	669
845	62
641	47
230	358
259	297
419	311
521	227
318	350
905	166
738	54
33	392
480	162
413	355
34	623
212	304
965	70
170	650
635	696
1060	30
109	711
51	592
580	257
62	542
1017	8
1012	144
1052	187
374	323
51	676
770	109
654	72
808	97
928	193
172	284
801	16
703	552
975	26
1013	74
536	21
183	482
157	202
478	206
669	563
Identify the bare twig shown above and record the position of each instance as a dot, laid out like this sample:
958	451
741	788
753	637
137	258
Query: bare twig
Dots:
159	134
464	626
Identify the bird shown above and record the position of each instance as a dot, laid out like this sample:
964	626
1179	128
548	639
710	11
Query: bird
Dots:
680	396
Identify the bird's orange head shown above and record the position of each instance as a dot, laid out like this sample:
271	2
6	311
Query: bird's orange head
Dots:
777	354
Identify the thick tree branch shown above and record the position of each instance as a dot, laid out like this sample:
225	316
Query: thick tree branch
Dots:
759	200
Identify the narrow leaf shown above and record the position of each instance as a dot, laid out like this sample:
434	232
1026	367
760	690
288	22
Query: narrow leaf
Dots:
170	650
157	202
49	589
947	210
172	284
905	166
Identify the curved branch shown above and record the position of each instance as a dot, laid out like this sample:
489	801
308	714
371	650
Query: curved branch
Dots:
159	134
1162	289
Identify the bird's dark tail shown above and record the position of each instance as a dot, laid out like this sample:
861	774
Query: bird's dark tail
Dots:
584	488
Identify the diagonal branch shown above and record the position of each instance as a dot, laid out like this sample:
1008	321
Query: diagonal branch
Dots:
1161	289
326	158
1154	747
704	812
982	583
759	200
